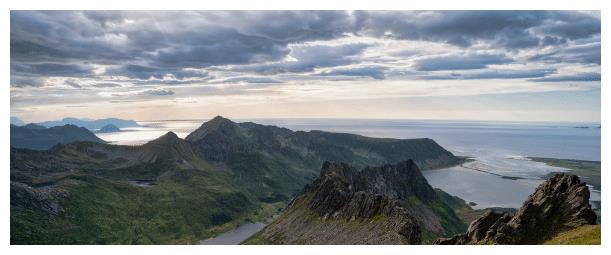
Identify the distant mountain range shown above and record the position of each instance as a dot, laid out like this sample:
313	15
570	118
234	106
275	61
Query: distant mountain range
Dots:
91	124
36	137
173	190
16	121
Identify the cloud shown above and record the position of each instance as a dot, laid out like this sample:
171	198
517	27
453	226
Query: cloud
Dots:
73	83
250	79
586	54
306	58
106	85
375	72
461	62
490	74
508	29
22	82
140	54
157	92
146	45
570	77
51	69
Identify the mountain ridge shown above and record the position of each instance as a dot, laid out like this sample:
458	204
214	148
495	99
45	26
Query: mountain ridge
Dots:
236	172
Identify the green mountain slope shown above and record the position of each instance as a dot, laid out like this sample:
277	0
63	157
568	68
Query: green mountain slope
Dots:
174	190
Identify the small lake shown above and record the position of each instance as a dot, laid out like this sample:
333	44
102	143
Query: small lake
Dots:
235	236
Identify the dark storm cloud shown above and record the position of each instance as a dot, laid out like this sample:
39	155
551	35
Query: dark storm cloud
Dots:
509	29
148	72
154	45
585	54
461	62
571	77
309	57
51	69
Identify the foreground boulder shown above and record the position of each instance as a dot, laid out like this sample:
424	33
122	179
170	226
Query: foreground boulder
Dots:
558	204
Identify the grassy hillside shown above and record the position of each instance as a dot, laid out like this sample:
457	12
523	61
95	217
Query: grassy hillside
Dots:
587	234
588	171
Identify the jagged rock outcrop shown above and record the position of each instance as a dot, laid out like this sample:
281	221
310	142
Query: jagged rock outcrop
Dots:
373	205
558	204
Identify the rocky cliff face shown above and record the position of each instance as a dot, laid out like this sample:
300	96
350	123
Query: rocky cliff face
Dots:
559	204
374	205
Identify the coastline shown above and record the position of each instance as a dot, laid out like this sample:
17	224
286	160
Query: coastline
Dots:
588	170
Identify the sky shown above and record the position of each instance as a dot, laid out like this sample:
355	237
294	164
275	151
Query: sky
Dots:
452	65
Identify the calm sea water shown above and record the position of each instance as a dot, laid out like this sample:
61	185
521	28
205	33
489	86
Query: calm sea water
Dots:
497	147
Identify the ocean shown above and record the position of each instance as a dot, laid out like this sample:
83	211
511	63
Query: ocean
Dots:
497	147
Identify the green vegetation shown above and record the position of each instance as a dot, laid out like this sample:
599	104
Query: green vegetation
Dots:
172	190
588	171
587	234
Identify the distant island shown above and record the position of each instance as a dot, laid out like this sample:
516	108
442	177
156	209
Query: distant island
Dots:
37	137
91	124
109	129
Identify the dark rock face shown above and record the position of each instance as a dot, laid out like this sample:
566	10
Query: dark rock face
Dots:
560	203
345	193
399	181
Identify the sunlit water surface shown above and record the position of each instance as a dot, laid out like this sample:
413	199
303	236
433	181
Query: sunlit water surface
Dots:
497	147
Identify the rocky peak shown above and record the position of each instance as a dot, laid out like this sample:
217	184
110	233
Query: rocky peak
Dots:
343	192
400	181
167	138
558	204
217	123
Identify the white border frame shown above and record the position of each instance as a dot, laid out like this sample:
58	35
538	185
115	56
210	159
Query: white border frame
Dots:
288	5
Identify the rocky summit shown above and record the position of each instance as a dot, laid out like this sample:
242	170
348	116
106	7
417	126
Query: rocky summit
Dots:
557	205
374	205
